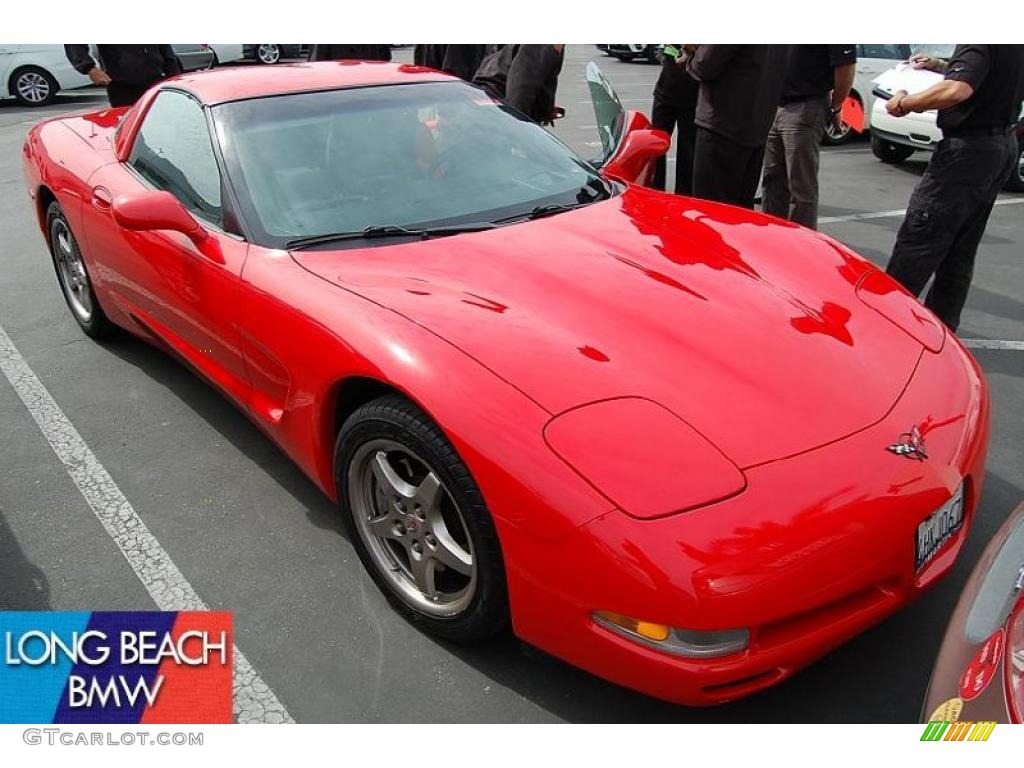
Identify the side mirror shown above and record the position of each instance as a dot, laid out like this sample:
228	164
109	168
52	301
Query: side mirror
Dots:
640	146
151	210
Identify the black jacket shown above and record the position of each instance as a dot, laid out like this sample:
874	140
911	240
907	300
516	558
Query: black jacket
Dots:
336	51
740	89
128	64
525	77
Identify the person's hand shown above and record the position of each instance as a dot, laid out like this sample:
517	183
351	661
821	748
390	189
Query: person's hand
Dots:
924	61
98	76
895	105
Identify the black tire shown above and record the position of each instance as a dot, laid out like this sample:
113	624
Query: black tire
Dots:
653	54
623	56
1016	181
890	152
33	86
267	53
395	419
95	325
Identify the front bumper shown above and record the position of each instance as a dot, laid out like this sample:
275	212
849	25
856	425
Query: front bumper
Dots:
819	547
917	130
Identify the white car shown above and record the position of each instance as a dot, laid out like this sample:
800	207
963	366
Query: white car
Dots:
226	53
894	139
872	60
33	74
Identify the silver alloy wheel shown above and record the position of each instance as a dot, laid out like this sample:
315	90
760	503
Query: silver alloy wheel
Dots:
33	87
71	271
841	134
268	54
1020	166
412	527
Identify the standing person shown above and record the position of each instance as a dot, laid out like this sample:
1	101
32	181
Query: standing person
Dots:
818	80
979	103
459	60
336	51
127	71
675	105
740	87
525	77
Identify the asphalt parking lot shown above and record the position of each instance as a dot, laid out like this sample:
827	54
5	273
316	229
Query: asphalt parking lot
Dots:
252	535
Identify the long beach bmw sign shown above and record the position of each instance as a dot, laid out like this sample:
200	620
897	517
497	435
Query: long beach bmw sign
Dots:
115	667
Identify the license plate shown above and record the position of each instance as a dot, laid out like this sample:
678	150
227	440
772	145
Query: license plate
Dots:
938	528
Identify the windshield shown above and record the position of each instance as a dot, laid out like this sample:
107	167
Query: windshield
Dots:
416	155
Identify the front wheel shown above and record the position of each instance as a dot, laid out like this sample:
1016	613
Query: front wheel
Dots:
73	275
890	152
33	86
418	521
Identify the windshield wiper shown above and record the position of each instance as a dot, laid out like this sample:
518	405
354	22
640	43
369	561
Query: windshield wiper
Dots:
591	193
389	230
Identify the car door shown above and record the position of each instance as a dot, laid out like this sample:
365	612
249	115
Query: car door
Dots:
6	57
184	296
629	146
193	55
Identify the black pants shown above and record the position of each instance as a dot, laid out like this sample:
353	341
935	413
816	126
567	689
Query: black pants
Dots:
666	116
946	219
125	94
724	170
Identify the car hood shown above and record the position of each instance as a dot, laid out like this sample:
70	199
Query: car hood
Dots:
906	78
746	327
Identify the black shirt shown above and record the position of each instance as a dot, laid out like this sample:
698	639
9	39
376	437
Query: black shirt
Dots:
810	71
996	73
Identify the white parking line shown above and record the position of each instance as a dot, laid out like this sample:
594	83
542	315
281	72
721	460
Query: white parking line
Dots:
170	590
1017	346
899	213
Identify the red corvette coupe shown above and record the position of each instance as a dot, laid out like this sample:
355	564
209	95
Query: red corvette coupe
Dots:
686	447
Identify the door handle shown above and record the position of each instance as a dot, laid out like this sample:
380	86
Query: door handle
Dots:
101	198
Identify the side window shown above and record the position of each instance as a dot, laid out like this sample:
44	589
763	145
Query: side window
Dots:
173	152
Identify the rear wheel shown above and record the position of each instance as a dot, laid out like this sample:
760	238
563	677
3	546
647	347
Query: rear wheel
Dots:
418	521
842	135
33	86
267	53
890	152
73	276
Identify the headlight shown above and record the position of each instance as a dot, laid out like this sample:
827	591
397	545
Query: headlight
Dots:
691	643
641	456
